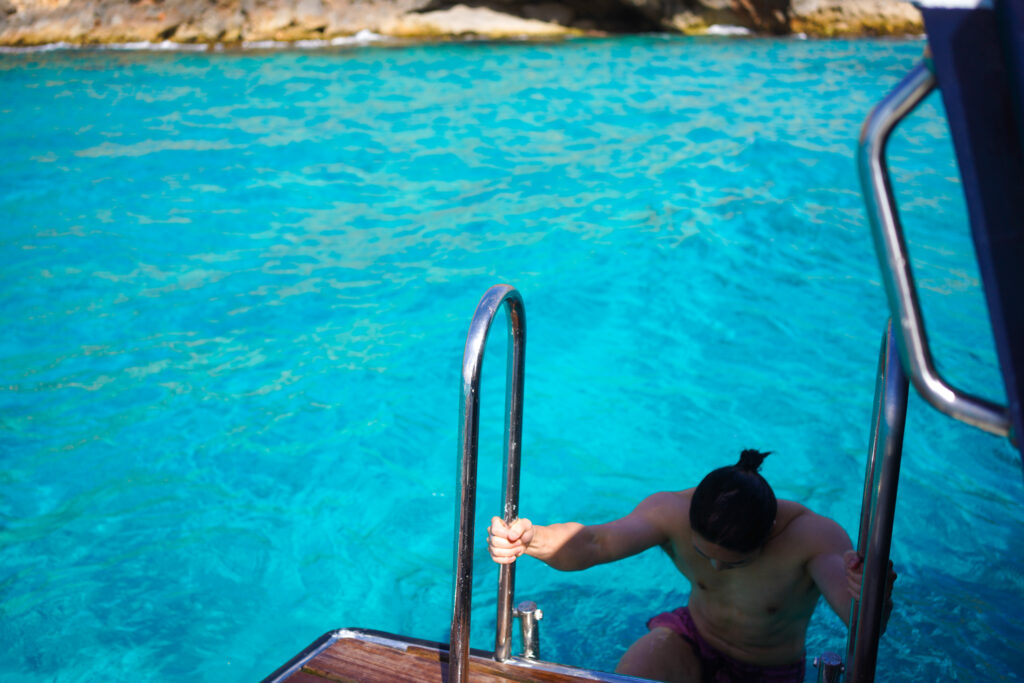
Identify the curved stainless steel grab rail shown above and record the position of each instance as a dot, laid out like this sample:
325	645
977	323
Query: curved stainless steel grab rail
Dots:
469	412
895	264
878	510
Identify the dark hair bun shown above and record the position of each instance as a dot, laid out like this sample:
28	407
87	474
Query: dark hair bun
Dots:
751	459
734	506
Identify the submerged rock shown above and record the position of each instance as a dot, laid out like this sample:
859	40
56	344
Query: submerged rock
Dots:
33	22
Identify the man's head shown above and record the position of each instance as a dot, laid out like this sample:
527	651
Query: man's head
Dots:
734	507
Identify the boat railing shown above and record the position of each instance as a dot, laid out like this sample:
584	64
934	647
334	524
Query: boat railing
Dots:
469	411
905	358
894	260
874	540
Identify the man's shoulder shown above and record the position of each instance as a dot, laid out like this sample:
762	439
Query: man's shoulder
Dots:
799	516
668	500
667	507
807	527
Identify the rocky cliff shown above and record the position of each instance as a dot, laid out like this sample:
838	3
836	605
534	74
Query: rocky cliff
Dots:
33	22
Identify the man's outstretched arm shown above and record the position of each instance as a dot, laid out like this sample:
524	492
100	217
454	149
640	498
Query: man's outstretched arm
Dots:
572	546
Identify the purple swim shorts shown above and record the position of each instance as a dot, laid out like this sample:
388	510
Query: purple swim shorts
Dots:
717	667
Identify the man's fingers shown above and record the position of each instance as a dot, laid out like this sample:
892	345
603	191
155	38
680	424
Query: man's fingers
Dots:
506	542
853	559
498	527
512	552
855	572
518	529
499	543
502	551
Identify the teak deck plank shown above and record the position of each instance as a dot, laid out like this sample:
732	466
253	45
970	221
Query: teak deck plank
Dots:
351	660
303	677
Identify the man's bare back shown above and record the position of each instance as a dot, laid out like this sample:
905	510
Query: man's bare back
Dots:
752	606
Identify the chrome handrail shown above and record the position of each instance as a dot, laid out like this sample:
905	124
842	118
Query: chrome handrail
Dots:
895	263
878	509
469	413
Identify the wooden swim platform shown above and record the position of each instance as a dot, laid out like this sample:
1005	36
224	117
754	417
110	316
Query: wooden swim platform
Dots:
366	656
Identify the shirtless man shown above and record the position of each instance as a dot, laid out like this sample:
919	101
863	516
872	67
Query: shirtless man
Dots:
756	566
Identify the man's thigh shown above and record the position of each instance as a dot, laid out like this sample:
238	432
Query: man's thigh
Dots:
661	655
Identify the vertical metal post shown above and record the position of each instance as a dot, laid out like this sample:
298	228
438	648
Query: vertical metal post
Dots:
469	411
529	614
830	667
874	539
514	383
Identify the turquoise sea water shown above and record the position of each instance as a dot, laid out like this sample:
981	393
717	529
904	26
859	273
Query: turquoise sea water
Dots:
235	289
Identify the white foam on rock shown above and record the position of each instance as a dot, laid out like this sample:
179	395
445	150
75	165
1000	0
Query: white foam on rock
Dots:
726	30
363	37
166	45
48	47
